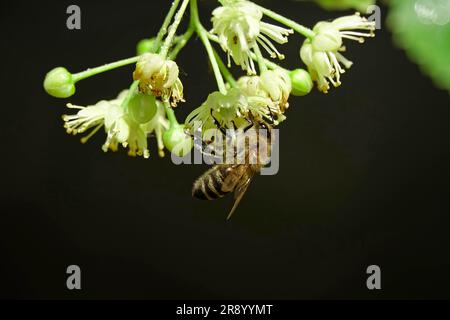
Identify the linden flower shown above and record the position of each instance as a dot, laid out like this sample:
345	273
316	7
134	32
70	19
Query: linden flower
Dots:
322	54
277	84
250	86
239	29
233	110
272	85
225	109
90	116
119	127
264	107
159	77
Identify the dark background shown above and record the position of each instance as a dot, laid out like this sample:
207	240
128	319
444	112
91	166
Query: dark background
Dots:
364	177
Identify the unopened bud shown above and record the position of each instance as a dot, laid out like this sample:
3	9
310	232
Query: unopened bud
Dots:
59	83
301	82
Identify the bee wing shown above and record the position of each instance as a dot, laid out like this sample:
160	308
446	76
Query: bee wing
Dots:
239	194
233	177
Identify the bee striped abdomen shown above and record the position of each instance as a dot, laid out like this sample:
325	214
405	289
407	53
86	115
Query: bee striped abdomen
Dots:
209	186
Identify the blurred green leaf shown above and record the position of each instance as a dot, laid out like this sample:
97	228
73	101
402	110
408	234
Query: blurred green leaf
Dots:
360	5
422	28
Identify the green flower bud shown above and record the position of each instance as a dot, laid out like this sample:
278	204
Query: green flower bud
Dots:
142	108
177	141
59	83
301	82
145	46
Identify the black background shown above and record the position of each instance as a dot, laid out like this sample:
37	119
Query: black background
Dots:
363	180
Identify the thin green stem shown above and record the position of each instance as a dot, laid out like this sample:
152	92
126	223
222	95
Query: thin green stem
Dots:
308	33
226	73
203	34
162	32
170	114
259	57
173	29
181	42
107	67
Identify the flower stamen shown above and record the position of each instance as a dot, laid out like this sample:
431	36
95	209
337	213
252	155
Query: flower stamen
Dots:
85	139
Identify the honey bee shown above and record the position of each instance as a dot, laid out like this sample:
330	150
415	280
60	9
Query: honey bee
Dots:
236	177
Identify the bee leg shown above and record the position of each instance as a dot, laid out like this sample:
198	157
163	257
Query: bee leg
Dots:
251	125
216	156
271	115
204	147
212	155
234	126
201	147
217	124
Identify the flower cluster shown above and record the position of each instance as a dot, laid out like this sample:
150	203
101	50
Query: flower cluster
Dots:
259	98
260	95
239	29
